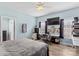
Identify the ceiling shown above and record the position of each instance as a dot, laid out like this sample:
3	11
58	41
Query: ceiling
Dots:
30	7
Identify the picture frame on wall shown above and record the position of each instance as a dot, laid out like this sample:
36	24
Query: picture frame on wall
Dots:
24	28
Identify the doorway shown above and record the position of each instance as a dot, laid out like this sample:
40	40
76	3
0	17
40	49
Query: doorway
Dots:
7	28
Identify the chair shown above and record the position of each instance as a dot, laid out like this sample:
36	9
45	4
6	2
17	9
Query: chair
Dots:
34	36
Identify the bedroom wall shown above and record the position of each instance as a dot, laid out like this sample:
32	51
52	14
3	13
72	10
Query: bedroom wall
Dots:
67	15
20	19
70	13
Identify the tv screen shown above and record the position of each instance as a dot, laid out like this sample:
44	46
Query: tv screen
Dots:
53	21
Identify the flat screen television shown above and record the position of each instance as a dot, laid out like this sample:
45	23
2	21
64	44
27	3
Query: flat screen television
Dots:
53	21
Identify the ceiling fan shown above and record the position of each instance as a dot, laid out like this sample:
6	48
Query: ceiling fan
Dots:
40	6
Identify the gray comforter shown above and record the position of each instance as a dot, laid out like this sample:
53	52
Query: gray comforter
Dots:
23	47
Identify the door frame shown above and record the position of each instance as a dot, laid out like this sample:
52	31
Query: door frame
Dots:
1	17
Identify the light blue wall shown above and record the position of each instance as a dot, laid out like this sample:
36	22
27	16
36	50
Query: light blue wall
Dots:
20	19
67	14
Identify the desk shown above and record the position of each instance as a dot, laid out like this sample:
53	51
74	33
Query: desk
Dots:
45	37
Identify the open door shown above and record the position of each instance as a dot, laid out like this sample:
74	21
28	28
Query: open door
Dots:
11	29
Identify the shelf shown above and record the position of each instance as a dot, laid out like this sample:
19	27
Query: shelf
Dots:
75	27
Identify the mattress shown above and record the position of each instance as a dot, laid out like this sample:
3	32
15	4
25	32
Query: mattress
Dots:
23	47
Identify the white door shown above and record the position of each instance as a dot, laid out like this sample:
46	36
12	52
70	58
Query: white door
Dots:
11	29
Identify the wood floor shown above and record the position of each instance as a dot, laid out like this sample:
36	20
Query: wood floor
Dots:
62	50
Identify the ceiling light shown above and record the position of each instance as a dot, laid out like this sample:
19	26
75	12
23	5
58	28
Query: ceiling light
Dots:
40	6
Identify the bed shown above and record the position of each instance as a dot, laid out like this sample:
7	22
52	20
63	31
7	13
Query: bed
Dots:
23	47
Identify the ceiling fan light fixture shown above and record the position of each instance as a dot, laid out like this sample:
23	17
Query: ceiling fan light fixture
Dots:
40	6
